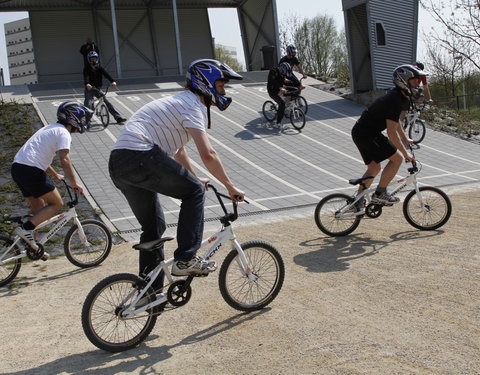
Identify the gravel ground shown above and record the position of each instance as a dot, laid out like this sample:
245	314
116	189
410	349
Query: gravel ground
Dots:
387	299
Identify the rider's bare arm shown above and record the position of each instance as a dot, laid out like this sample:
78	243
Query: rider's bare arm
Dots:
213	163
397	136
64	156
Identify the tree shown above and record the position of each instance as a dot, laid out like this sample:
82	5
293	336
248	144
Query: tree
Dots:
221	54
461	34
321	48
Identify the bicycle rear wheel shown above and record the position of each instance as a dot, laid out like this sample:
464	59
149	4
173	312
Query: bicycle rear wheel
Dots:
92	252
326	215
269	110
104	115
435	211
249	293
8	270
102	319
297	118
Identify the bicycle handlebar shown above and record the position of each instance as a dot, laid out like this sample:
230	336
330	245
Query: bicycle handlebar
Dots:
73	198
228	216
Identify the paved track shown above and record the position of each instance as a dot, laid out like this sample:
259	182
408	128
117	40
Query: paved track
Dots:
280	171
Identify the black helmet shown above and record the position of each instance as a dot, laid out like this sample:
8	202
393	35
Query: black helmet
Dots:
419	65
74	114
401	76
201	77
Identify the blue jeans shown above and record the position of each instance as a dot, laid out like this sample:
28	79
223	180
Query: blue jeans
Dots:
140	175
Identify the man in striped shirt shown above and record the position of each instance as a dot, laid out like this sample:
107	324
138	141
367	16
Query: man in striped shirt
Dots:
149	157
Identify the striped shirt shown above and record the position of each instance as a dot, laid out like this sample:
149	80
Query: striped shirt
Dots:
163	122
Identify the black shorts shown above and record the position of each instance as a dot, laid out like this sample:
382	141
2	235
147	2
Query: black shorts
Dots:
32	181
376	147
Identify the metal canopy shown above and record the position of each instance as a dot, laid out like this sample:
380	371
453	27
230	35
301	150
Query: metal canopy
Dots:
149	37
29	5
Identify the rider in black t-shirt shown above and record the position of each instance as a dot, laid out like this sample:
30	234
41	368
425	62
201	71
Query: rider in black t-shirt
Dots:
277	78
384	114
292	60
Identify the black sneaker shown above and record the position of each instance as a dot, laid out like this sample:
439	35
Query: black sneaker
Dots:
121	120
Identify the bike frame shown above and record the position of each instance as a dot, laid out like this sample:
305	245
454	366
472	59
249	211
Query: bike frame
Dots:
403	182
62	219
217	240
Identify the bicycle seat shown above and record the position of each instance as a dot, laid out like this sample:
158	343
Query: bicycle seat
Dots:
152	245
356	181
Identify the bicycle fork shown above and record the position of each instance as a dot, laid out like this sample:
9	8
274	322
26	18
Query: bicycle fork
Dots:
243	262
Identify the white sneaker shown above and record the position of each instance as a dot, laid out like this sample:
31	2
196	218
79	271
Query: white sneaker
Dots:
278	126
27	236
195	266
384	198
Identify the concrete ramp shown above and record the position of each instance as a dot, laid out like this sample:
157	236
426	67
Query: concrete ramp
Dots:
283	173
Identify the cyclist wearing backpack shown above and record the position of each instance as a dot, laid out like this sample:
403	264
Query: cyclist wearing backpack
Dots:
277	78
150	158
292	60
33	161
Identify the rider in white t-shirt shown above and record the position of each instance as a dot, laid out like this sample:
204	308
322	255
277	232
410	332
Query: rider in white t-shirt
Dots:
33	161
150	157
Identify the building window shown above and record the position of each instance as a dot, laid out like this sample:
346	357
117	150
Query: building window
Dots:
381	41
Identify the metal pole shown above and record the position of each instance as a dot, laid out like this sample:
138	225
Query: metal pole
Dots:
463	87
177	37
115	38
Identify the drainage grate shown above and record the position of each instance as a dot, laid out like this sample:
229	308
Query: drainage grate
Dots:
246	214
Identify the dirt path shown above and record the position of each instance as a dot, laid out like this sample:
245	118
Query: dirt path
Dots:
387	299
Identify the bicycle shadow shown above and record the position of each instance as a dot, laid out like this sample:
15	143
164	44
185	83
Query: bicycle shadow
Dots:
14	288
98	362
333	254
95	128
261	128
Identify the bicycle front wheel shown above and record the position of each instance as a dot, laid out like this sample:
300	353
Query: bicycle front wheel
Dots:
328	217
269	110
249	292
104	115
8	269
92	250
297	118
102	319
302	104
416	132
434	212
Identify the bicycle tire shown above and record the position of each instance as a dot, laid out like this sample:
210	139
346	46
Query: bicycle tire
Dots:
99	244
302	104
433	215
417	131
101	319
10	270
325	216
269	110
243	293
104	115
297	118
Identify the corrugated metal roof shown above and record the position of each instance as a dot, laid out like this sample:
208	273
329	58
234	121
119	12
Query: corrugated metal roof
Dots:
26	5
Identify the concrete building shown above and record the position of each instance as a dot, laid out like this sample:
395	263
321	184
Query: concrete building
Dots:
21	59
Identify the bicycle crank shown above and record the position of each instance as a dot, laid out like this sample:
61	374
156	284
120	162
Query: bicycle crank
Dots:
179	292
35	254
373	210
